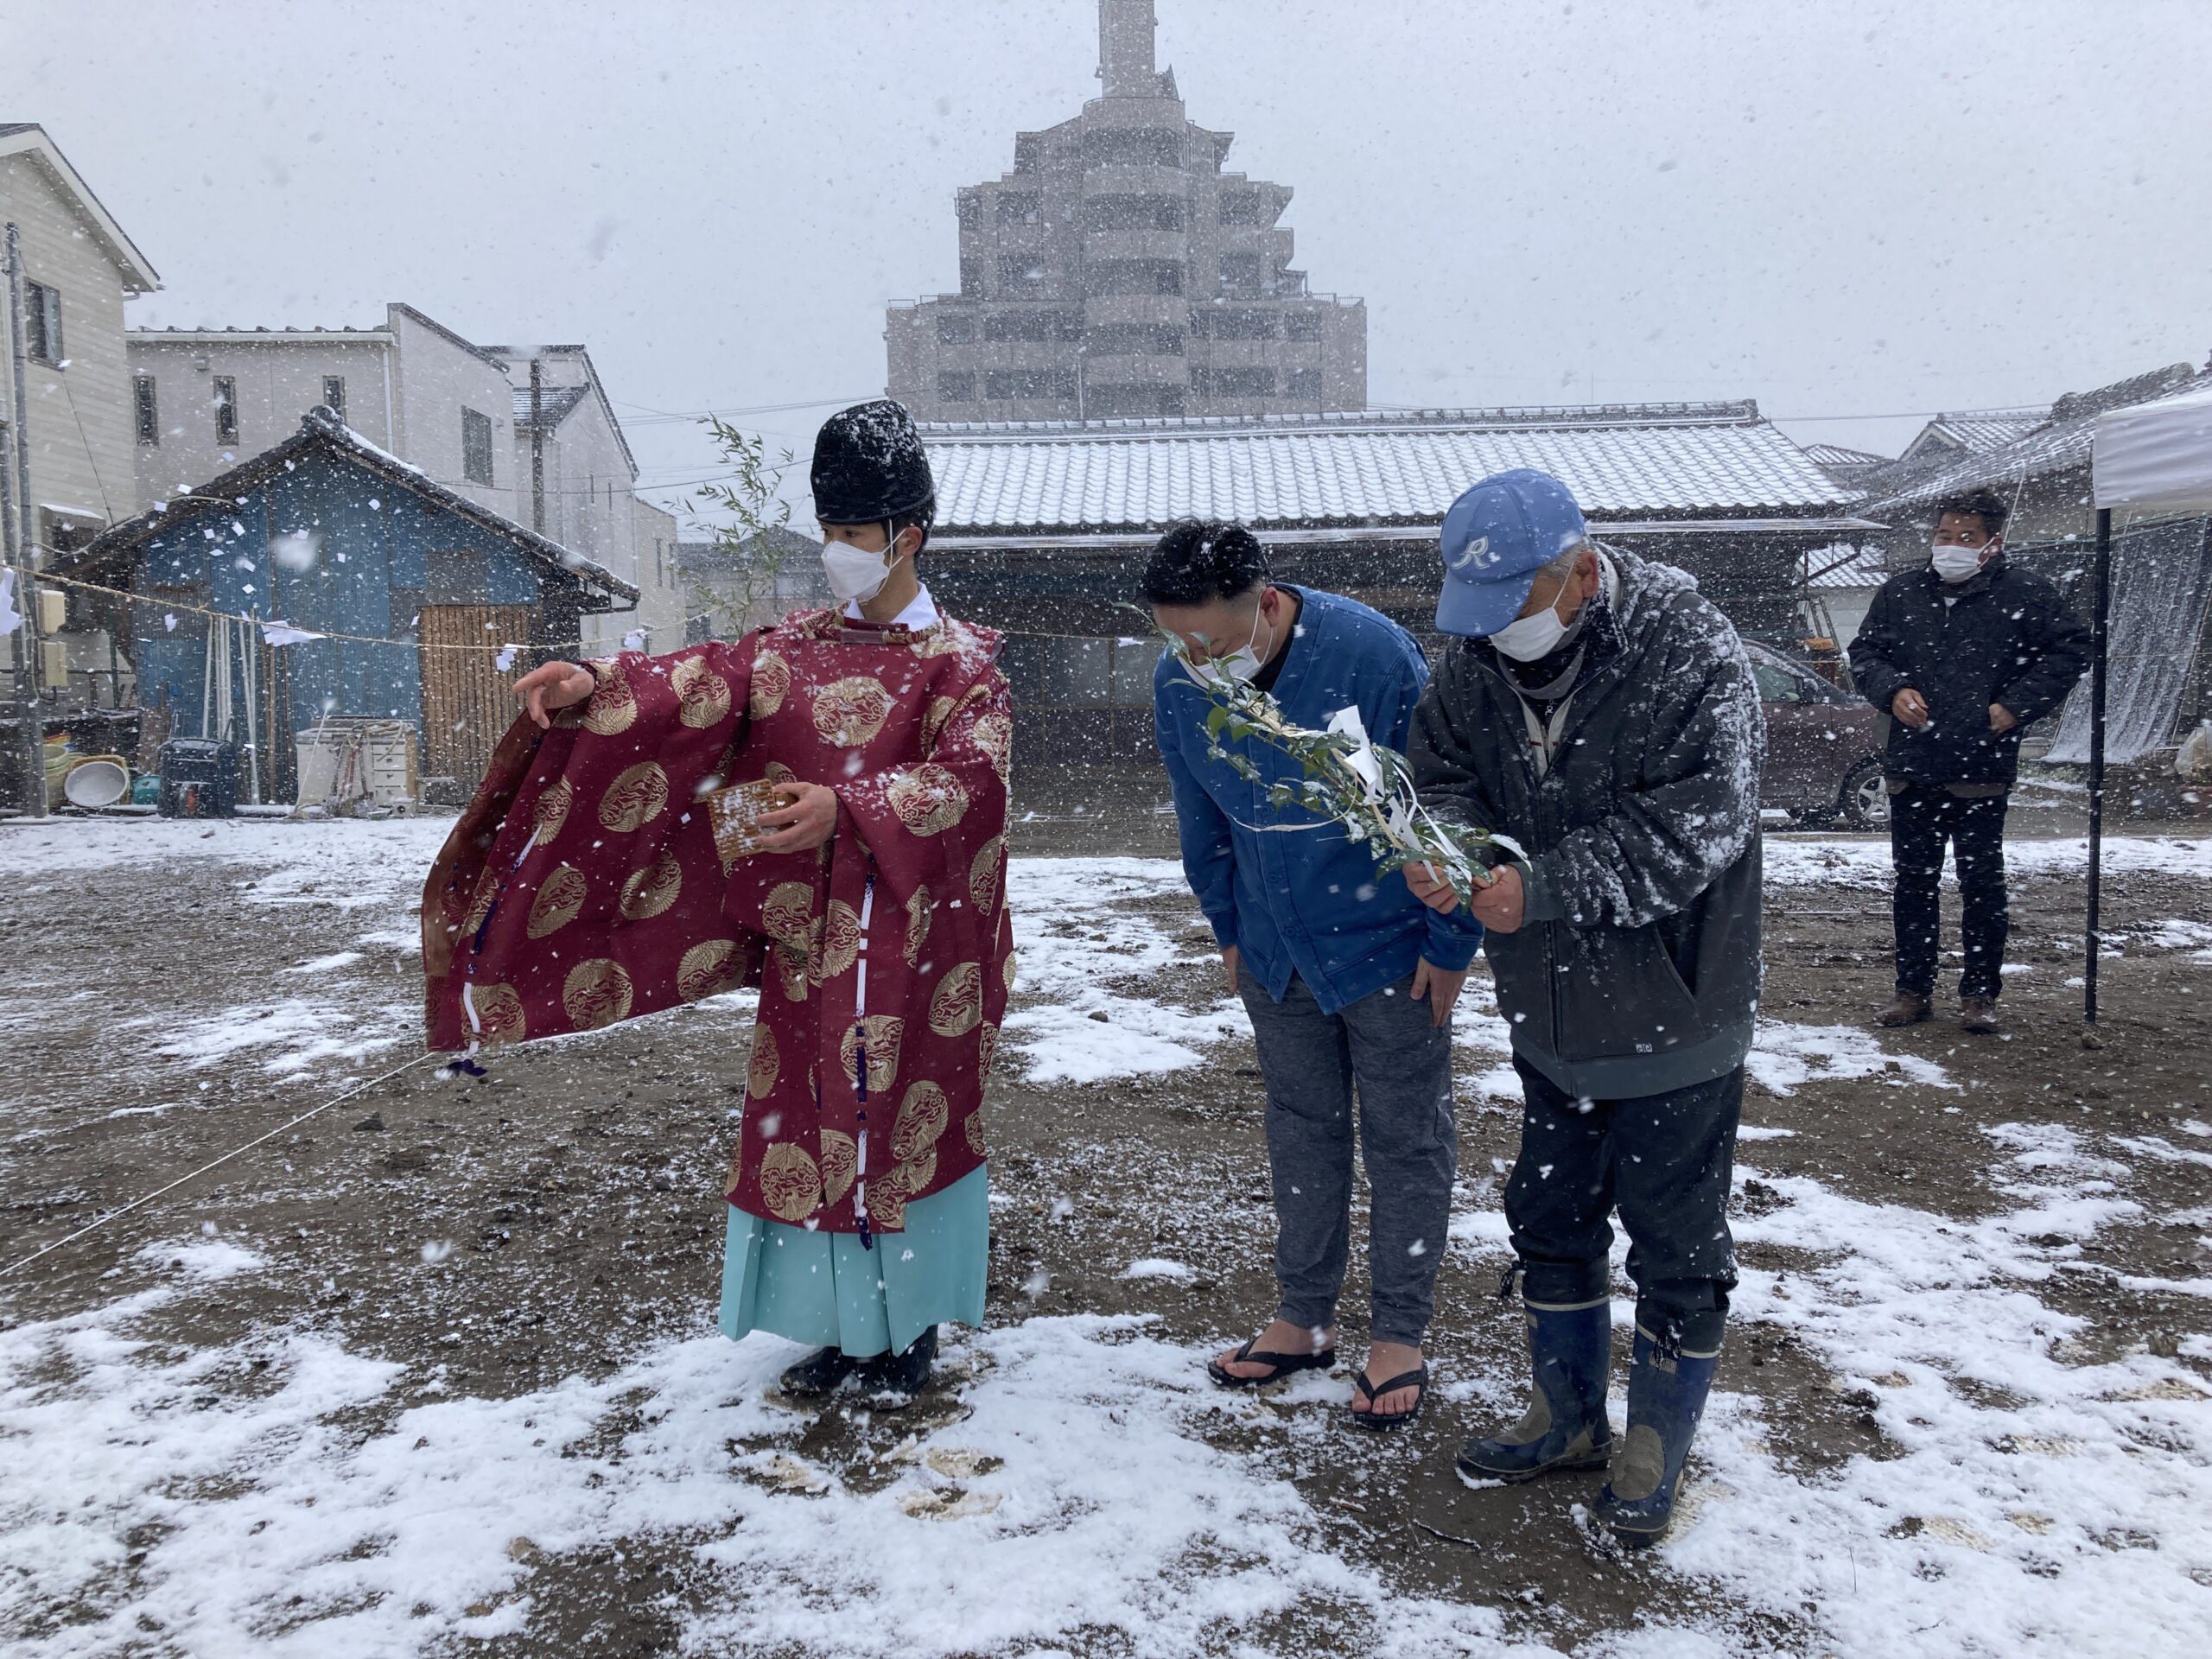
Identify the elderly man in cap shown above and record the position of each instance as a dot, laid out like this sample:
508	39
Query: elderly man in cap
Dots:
1602	713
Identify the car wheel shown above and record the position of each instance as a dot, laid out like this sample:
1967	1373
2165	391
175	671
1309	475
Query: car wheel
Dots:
1864	803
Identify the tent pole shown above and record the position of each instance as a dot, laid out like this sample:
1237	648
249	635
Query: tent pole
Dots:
2100	620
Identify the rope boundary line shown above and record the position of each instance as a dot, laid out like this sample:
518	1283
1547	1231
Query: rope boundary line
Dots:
138	1203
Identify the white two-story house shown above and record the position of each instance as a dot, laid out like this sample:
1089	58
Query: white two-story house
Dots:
79	267
206	399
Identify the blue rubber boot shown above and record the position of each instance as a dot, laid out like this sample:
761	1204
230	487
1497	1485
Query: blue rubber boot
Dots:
1565	1426
1667	1381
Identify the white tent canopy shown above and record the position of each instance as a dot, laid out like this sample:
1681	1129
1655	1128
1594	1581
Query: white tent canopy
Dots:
2149	459
2156	457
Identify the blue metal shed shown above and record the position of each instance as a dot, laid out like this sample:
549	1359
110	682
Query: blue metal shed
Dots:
429	604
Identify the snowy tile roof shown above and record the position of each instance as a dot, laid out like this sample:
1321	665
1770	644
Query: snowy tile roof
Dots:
320	427
1978	434
2058	446
554	403
1834	455
1368	468
1843	565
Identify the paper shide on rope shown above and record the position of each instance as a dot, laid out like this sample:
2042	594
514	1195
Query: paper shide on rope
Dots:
1348	779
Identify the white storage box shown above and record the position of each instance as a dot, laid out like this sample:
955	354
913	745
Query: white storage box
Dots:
343	758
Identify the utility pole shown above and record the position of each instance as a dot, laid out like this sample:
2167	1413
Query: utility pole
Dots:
536	446
27	650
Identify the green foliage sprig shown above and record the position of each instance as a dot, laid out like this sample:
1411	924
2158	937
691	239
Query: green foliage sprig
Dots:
746	507
1345	777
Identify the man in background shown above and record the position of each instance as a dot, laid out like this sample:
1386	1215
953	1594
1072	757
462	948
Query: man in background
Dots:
1960	655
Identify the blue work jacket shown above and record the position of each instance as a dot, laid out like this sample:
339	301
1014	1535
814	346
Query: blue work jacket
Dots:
1305	900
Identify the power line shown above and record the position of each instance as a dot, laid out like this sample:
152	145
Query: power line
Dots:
658	416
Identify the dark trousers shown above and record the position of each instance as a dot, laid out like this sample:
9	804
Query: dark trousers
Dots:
1387	1050
1921	820
1665	1161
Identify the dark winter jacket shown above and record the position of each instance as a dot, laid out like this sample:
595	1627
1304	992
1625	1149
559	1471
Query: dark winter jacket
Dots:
2005	637
1637	968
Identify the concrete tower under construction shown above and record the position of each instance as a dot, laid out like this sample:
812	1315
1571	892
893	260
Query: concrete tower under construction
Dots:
1118	272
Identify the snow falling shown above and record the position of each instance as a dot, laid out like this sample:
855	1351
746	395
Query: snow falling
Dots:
2009	1475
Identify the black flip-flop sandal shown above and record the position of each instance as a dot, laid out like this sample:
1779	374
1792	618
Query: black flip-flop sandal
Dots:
1372	1419
1284	1365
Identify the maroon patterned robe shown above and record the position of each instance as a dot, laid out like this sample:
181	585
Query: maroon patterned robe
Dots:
582	886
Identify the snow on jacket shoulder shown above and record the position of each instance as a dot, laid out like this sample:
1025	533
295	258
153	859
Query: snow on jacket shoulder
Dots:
1637	970
2004	636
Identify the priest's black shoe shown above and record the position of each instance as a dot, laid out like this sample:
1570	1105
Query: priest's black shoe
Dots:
907	1373
819	1373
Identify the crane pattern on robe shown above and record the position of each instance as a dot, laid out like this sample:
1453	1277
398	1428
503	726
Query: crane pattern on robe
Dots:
583	886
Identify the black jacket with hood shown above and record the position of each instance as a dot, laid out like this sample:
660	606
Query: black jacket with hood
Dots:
1636	802
2002	636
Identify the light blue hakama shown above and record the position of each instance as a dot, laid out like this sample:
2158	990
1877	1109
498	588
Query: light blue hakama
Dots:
822	1288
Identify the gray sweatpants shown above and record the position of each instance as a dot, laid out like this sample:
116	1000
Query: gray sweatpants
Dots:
1401	1065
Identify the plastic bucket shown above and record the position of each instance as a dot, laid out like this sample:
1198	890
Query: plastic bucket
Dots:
101	781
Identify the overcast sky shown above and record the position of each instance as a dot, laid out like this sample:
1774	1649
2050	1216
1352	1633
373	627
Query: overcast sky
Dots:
1848	208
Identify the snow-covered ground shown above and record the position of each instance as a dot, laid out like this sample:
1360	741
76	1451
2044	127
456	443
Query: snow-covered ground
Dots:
2030	1497
1793	862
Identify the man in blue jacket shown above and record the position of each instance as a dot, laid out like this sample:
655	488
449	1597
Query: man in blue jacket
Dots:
1349	978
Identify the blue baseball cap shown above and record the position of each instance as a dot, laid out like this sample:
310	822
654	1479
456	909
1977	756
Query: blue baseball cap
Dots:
1495	539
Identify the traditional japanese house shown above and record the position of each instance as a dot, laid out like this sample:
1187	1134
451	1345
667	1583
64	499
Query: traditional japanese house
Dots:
1042	527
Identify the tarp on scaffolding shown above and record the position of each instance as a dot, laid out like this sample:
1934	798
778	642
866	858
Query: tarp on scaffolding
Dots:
2161	583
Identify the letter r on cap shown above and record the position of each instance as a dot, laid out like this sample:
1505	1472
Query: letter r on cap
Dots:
1477	553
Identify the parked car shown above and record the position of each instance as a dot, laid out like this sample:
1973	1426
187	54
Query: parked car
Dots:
1823	746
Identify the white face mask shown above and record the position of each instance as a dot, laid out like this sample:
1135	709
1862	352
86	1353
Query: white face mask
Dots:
1242	664
1955	563
1526	638
855	575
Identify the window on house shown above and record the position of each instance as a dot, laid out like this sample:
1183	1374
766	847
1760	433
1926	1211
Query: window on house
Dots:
1247	207
1243	271
475	446
1134	663
1134	340
1306	383
225	396
43	305
956	387
1233	382
149	413
1303	325
65	533
334	394
1078	673
1021	272
1019	206
1005	384
956	327
1133	213
1134	403
1243	324
1132	276
1133	147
